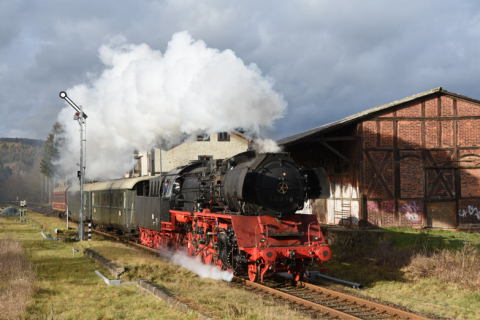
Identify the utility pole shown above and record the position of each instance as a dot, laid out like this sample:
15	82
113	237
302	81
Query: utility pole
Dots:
81	117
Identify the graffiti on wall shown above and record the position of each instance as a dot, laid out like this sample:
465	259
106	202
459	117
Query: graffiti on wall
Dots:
471	210
412	211
389	206
372	206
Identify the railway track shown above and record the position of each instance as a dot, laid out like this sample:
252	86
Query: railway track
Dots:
318	302
323	303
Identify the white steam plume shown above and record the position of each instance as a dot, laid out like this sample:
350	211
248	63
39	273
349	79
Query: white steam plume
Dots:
266	145
143	99
194	264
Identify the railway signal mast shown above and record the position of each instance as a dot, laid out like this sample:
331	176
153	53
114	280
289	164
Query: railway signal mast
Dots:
81	117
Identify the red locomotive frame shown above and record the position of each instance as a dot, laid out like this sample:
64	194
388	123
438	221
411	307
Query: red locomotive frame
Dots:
265	240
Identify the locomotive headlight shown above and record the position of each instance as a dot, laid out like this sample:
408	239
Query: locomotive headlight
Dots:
315	238
284	174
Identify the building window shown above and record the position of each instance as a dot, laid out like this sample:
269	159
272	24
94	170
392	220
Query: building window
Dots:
223	136
203	138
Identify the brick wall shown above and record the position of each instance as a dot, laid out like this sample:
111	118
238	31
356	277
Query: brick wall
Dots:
369	134
447	134
410	213
470	178
468	211
411	111
439	187
446	106
431	108
411	174
467	109
469	133
431	134
386	134
388	213
373	214
409	134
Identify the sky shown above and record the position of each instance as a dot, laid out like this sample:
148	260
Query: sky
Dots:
320	60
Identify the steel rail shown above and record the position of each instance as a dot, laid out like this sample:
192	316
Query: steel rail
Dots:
365	309
302	302
395	312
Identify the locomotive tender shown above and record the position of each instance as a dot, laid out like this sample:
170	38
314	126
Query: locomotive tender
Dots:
237	213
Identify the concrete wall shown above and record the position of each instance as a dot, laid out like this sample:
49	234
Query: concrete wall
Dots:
186	152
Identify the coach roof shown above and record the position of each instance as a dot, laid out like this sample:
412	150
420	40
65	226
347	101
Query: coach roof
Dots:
120	184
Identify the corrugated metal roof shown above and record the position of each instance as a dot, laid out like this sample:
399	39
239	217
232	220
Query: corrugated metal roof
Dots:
354	118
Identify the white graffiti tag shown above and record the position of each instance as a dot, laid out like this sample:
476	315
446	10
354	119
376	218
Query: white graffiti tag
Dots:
412	211
473	211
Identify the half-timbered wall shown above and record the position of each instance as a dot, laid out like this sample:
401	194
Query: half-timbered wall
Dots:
421	164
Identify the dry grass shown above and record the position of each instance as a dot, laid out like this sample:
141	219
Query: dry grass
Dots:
17	280
66	287
459	266
214	298
435	272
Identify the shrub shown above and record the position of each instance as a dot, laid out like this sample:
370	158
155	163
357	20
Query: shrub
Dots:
454	266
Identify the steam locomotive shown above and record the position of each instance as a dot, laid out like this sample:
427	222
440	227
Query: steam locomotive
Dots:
237	213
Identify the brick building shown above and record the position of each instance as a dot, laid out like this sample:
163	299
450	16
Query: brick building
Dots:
412	162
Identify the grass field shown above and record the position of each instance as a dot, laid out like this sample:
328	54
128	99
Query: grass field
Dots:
66	287
435	272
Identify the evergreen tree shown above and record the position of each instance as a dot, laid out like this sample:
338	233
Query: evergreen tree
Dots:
51	152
